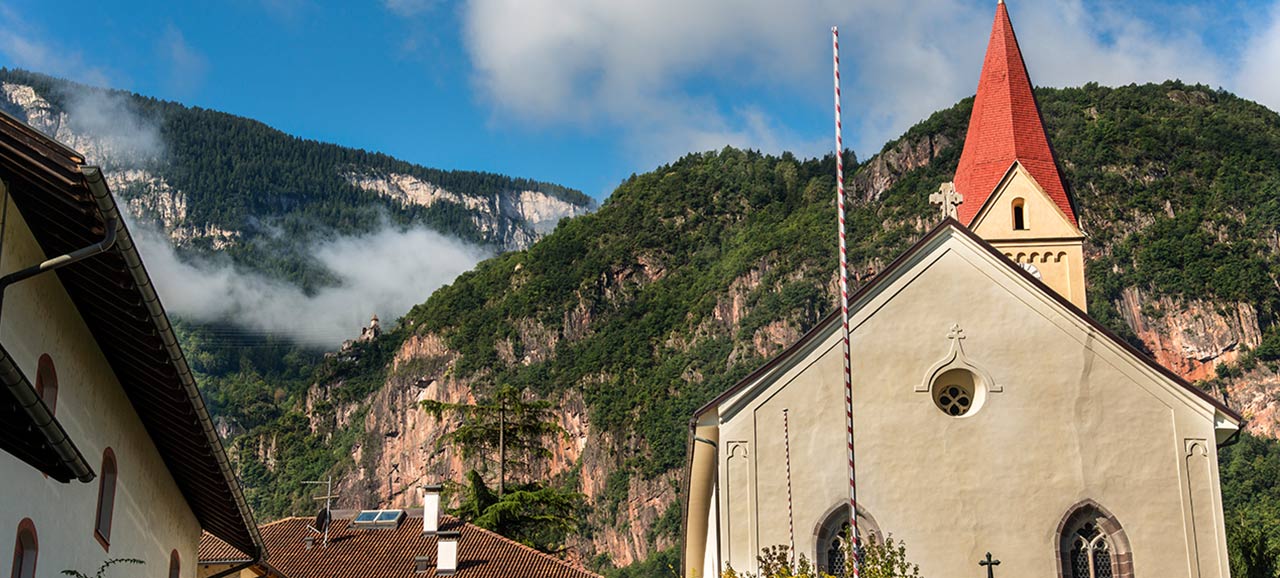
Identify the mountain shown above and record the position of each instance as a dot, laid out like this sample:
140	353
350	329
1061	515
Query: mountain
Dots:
218	183
690	276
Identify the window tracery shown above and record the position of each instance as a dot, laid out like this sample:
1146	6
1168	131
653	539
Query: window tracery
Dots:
1093	545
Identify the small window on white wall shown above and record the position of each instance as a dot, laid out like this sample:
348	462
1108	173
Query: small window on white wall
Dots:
106	499
24	552
1019	215
47	382
175	565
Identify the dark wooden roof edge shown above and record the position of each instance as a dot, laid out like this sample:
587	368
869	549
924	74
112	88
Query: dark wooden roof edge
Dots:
128	250
70	462
887	272
47	146
59	172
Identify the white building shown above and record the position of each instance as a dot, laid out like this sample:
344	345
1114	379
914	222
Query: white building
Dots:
108	450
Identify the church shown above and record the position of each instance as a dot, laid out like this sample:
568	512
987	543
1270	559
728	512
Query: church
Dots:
991	413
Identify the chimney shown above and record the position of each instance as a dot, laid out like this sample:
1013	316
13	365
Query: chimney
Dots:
309	542
447	552
430	509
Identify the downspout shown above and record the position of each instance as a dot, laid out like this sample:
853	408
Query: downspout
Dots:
11	376
49	427
111	218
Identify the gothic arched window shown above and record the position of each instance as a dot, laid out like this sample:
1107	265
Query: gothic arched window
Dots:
25	550
831	534
47	382
1093	545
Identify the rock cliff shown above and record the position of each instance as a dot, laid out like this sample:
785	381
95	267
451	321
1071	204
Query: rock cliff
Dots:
127	136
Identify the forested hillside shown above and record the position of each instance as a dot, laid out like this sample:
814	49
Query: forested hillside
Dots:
216	182
693	274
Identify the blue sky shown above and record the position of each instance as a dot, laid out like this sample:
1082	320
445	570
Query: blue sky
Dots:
586	92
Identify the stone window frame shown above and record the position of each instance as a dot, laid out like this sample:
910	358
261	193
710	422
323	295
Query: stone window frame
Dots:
1086	511
829	525
47	382
108	482
23	553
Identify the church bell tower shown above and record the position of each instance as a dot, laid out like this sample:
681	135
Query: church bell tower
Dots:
1013	192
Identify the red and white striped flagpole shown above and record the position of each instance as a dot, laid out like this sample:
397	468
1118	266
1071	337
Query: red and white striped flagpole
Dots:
844	312
791	525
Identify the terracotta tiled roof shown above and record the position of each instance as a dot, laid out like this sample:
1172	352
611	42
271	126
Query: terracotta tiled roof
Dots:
213	549
1005	127
390	552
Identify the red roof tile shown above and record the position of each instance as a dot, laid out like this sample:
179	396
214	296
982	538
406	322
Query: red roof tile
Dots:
1005	127
390	552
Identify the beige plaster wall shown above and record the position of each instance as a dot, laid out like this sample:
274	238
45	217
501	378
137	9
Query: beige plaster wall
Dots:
1050	241
1075	419
151	517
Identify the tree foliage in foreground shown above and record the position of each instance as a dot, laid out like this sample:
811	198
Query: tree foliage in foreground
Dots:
503	428
536	515
887	559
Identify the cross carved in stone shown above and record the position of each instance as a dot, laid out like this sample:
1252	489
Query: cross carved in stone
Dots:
947	198
956	332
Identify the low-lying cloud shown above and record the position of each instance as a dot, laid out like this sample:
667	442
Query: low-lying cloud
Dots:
108	129
386	272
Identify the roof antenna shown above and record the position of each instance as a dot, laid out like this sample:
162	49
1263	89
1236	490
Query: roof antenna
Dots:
325	516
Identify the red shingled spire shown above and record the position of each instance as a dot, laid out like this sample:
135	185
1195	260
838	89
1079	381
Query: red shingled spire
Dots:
1005	127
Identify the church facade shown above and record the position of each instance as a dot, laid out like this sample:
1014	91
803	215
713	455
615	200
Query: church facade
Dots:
992	414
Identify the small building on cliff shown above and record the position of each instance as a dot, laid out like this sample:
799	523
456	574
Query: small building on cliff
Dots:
991	413
107	448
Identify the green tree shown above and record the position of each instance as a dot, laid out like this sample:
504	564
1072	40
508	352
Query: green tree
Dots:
504	422
532	514
1252	555
887	559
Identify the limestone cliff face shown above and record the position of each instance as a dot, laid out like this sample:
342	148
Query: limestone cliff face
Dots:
400	450
514	219
1191	337
885	169
104	127
132	172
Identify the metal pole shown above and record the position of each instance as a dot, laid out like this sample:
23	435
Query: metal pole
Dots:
791	525
844	309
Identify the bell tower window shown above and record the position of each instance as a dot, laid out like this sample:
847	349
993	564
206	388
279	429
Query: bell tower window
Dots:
1019	215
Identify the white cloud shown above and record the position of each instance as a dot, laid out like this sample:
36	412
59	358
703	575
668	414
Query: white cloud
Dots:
386	272
187	66
106	127
25	46
1258	78
676	75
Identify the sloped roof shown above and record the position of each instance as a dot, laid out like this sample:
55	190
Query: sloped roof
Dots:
832	322
48	183
391	552
1005	127
30	432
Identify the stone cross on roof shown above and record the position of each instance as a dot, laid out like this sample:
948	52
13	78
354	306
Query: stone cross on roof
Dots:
948	198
